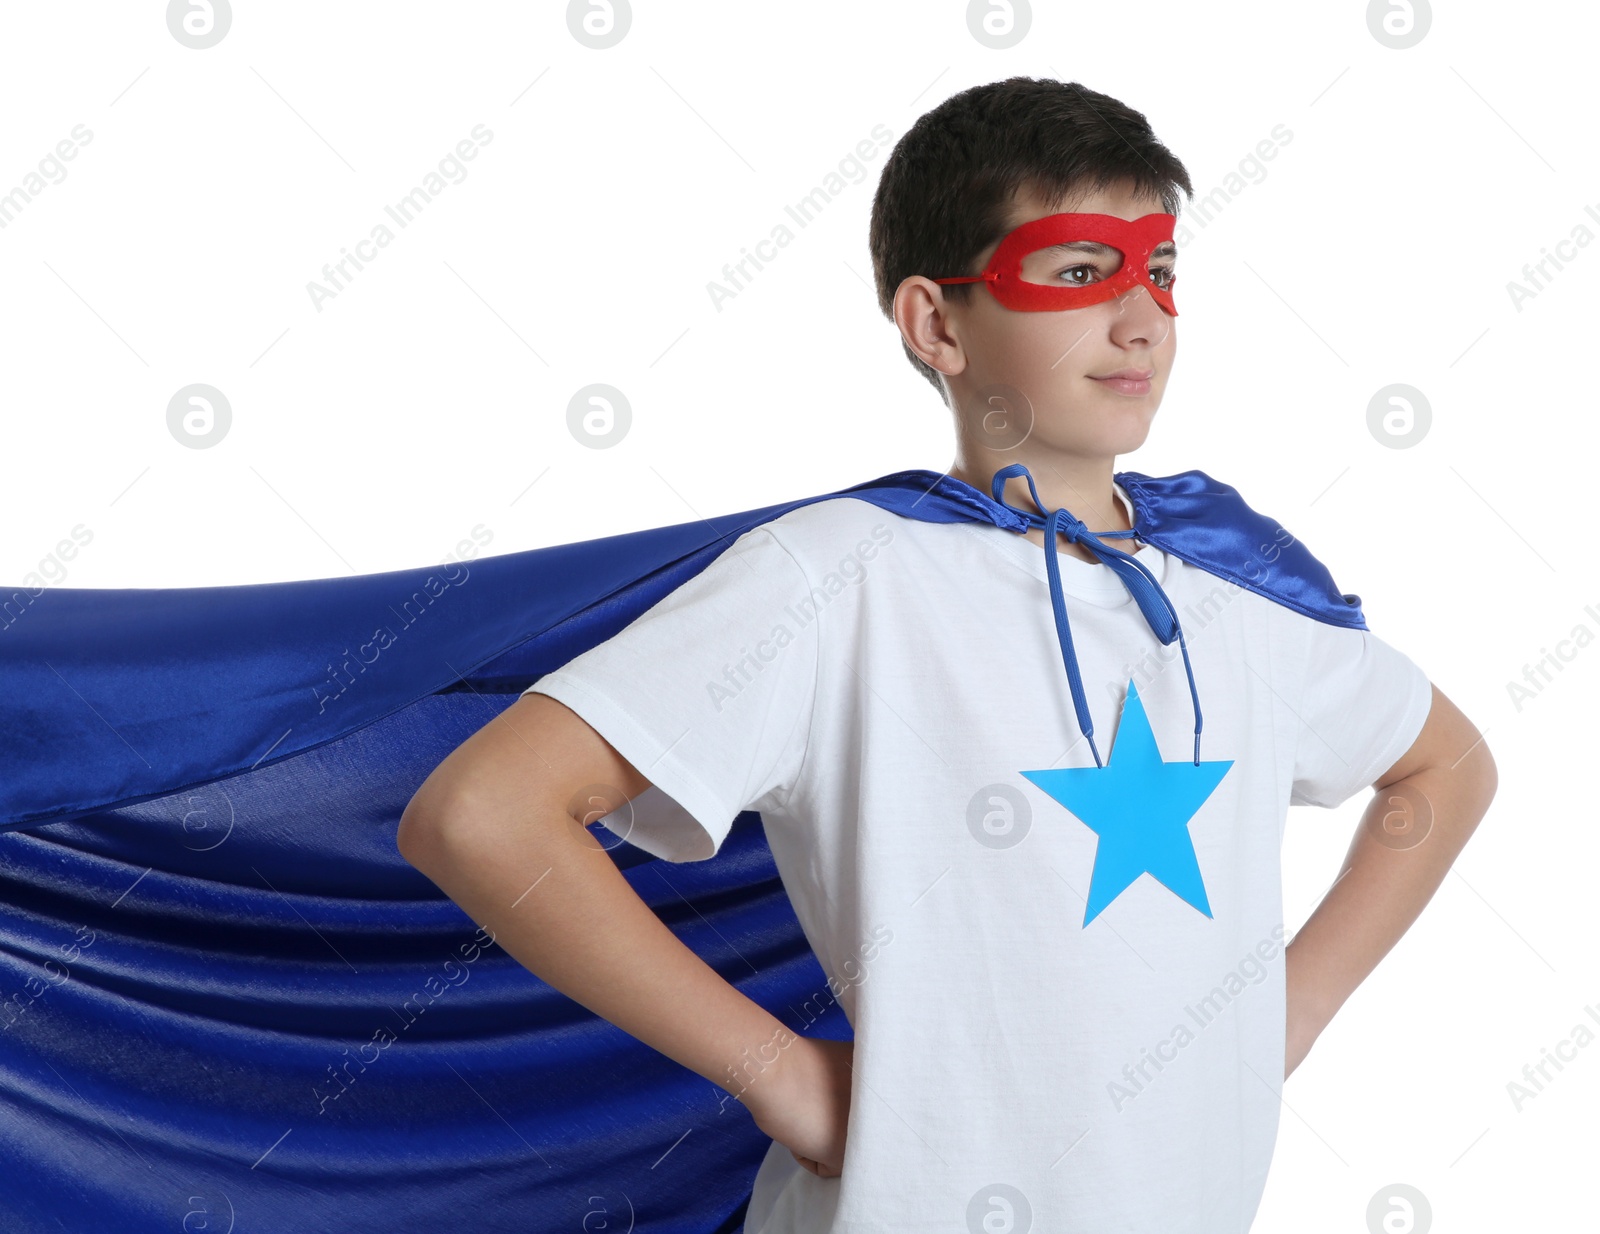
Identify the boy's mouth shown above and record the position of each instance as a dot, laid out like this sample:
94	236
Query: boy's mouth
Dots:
1127	380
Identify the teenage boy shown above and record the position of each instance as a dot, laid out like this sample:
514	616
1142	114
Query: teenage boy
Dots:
1044	1037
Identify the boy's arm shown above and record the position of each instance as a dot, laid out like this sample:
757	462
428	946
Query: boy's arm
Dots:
497	827
1426	807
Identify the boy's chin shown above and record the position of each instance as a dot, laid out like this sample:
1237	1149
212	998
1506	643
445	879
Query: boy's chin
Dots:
1122	416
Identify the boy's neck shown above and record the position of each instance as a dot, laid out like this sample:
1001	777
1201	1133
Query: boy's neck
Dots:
1084	486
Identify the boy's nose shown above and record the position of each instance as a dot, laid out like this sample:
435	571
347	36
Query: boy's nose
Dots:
1139	317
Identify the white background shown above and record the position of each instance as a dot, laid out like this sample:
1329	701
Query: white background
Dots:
430	396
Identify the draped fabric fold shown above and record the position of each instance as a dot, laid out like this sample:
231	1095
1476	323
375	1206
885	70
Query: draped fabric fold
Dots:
226	1003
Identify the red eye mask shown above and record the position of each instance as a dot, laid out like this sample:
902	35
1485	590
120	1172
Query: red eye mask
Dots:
1026	278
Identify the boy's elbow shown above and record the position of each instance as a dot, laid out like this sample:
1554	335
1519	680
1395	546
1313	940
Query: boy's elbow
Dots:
425	828
440	822
1488	777
1473	779
488	801
1473	763
454	824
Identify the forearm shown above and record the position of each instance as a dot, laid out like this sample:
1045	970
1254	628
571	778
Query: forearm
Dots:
555	901
1410	835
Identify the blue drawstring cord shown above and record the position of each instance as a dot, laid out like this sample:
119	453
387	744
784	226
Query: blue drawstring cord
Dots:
1146	591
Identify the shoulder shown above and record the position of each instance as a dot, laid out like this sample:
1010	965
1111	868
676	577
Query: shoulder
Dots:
1208	523
818	534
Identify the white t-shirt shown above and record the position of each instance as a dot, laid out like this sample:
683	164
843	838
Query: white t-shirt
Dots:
875	686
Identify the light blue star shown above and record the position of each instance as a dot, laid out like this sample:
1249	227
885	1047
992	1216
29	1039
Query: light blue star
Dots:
1140	808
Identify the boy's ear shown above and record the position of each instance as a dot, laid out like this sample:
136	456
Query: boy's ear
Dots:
926	323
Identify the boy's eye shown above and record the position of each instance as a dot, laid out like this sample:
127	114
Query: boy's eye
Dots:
1163	276
1071	272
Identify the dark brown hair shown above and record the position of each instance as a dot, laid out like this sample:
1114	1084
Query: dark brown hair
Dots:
946	190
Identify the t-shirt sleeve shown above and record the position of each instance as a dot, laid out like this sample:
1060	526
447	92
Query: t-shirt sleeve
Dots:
1362	705
708	694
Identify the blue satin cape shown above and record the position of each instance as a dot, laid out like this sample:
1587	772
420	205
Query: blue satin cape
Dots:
227	1003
